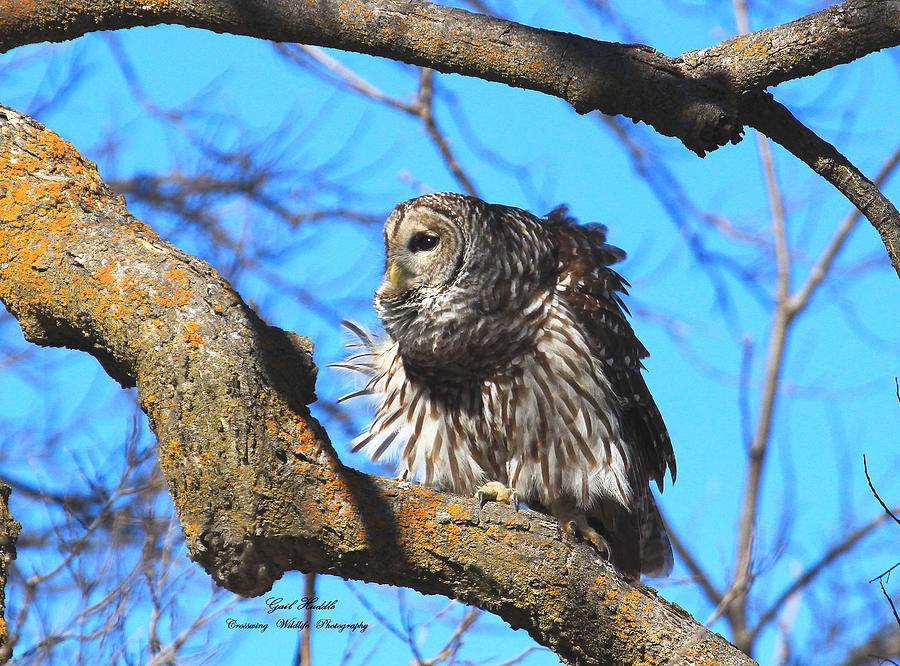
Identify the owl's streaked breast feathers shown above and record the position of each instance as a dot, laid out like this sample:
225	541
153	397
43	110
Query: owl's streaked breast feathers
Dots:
508	357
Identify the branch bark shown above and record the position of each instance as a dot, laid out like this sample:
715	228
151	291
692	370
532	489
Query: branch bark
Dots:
9	532
257	486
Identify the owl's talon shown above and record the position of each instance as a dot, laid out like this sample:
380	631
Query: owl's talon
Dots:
494	491
573	523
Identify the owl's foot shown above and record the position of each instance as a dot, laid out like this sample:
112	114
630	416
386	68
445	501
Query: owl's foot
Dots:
573	522
494	491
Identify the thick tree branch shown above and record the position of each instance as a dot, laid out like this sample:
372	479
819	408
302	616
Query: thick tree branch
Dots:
693	97
9	532
816	42
256	483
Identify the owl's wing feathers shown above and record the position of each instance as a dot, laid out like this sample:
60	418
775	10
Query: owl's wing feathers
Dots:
593	291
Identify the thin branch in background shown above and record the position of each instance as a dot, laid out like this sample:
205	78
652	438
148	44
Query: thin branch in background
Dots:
776	203
735	597
886	575
875	492
744	389
455	642
666	187
826	260
408	628
890	601
803	580
762	112
425	110
698	574
304	650
382	619
421	108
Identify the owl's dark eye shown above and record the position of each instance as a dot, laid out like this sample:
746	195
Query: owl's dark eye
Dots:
423	241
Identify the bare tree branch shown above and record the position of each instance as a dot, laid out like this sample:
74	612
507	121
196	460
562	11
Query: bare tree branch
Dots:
257	486
884	506
692	97
827	558
702	578
831	37
882	647
304	649
422	107
823	264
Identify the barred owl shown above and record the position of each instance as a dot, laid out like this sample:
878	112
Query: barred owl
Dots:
508	366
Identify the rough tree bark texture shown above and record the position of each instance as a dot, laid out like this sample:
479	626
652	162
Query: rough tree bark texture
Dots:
9	532
697	97
257	486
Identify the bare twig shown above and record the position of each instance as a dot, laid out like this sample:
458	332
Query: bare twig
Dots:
425	110
803	580
889	600
884	506
9	532
698	574
422	107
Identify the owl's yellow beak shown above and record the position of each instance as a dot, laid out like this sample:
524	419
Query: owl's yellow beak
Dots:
395	275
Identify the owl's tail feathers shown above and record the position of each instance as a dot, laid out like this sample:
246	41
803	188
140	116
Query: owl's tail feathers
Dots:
656	550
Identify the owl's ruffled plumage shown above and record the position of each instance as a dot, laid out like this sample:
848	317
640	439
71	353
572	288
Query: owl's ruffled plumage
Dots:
512	360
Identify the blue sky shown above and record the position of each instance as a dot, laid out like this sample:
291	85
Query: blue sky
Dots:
838	397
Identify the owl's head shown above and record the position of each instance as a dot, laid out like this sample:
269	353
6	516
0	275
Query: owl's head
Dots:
425	242
458	270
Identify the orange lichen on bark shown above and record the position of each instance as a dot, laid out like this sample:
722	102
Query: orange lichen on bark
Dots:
457	512
306	442
191	335
48	193
750	47
175	290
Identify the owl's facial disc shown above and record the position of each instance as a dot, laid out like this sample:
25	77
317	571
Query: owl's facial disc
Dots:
422	247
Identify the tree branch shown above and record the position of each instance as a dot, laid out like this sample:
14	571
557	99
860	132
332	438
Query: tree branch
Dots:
257	486
804	579
811	44
693	97
9	532
881	647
